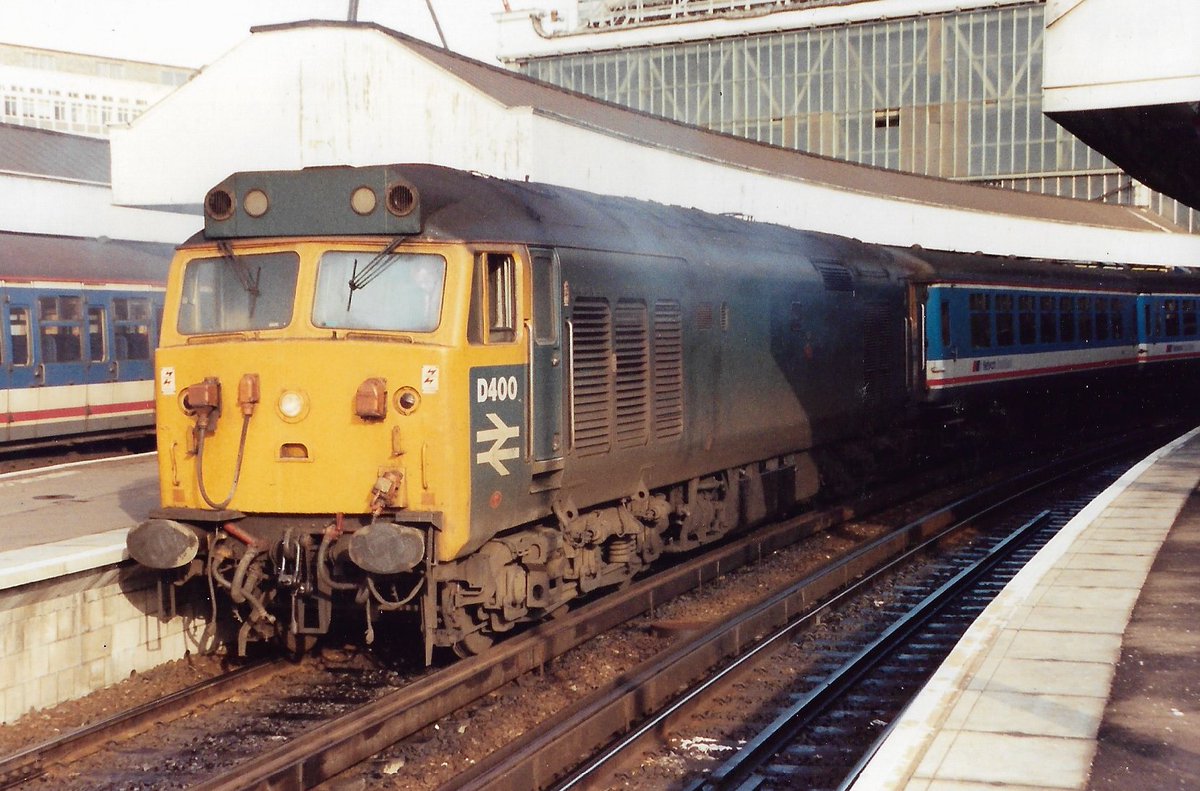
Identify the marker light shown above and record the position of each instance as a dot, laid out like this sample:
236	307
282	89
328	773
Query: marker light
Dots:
256	203
292	405
363	201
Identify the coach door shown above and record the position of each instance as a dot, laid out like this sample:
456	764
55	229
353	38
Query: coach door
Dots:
22	374
60	365
101	368
546	370
6	369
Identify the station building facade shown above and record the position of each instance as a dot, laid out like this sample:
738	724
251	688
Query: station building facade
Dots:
76	93
952	90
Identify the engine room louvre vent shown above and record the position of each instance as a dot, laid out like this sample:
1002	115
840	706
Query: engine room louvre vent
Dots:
704	316
836	276
668	369
592	375
633	373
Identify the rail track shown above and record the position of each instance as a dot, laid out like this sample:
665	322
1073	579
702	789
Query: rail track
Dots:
313	755
34	761
826	736
828	722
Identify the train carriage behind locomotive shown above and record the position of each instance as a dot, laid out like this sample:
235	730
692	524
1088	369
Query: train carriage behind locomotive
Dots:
418	390
79	325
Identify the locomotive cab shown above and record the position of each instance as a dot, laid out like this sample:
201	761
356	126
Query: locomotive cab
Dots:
310	400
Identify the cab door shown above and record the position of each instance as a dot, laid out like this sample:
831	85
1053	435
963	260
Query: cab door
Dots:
546	369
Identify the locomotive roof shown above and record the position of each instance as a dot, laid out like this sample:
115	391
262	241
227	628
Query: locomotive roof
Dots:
26	256
456	205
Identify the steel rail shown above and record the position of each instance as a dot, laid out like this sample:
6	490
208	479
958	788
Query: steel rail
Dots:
758	751
319	754
31	762
660	689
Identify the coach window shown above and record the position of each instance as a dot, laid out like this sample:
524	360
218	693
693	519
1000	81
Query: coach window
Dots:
96	350
493	316
1047	321
1118	319
1189	319
1103	319
1066	319
131	328
1004	320
18	331
1171	318
60	325
1086	324
1026	320
981	320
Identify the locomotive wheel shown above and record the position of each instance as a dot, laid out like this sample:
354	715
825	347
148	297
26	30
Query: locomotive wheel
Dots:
472	644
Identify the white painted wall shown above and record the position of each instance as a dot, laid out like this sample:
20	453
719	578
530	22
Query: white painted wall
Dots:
299	98
50	206
1120	53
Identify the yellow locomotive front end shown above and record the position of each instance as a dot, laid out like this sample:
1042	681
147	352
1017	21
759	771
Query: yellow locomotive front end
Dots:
312	427
282	390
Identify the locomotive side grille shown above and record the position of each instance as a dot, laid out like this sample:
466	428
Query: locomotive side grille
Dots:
836	276
668	369
593	376
879	341
633	373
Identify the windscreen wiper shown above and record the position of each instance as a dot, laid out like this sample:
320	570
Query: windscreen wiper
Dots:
372	270
242	271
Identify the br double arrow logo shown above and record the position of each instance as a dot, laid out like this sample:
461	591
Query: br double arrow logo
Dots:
499	437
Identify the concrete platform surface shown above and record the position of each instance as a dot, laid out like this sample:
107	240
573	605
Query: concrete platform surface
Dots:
72	517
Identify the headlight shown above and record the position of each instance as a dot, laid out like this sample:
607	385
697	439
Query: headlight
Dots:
292	405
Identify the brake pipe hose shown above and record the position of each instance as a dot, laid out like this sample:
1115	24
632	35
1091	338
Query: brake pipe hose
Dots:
237	469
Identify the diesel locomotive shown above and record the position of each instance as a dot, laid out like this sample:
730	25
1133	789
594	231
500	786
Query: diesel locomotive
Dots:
460	402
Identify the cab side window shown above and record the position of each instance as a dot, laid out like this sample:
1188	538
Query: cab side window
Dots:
493	317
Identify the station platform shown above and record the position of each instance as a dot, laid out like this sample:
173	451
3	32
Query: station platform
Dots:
1084	673
72	517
